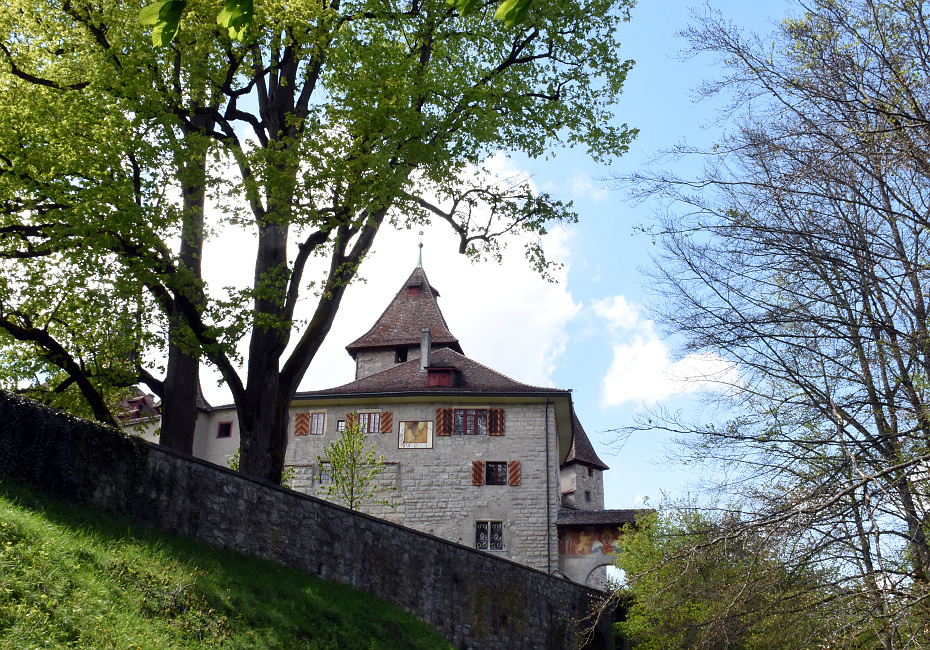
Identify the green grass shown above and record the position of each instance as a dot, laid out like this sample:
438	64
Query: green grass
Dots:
71	577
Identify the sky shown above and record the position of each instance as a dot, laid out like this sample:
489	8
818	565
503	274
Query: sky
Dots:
591	331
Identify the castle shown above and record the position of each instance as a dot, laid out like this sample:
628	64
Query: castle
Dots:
475	457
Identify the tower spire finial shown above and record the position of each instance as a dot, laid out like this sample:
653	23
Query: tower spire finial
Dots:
420	260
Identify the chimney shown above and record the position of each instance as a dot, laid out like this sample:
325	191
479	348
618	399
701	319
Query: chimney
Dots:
426	343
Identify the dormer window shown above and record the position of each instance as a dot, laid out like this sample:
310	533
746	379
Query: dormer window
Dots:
438	376
413	292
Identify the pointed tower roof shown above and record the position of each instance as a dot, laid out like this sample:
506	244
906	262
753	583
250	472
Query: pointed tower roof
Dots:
413	309
582	450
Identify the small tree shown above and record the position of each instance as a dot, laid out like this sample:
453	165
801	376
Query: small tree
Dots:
353	471
692	582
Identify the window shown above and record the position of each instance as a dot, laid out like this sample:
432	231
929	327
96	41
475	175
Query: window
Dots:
438	377
489	535
326	473
224	430
495	473
340	426
590	472
369	422
313	424
413	291
471	422
587	495
400	355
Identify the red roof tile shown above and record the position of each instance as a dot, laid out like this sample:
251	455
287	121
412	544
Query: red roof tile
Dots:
468	377
569	517
406	316
582	450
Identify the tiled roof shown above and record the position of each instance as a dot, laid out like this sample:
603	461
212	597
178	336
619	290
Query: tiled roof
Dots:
202	403
569	517
406	316
582	451
468	377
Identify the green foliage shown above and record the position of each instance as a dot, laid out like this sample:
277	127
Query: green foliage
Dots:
236	16
693	582
513	12
353	471
165	19
73	578
324	124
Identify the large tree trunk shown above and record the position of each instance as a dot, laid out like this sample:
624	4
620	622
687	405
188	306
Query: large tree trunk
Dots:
182	377
263	414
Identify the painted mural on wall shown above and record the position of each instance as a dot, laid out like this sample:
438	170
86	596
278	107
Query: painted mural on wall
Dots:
415	435
589	540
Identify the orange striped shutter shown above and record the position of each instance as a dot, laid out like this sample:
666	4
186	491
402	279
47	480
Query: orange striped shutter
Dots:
301	424
477	472
443	422
351	419
495	422
513	472
387	421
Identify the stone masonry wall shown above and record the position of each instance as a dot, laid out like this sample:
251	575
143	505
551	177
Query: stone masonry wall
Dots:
474	599
434	491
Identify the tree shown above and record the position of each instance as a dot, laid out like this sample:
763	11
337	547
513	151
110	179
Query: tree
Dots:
82	182
337	118
236	16
690	583
352	473
800	256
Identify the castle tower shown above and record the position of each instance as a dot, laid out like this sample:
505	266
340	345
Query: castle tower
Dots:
397	335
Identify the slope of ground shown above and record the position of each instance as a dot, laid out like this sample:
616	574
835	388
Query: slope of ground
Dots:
71	577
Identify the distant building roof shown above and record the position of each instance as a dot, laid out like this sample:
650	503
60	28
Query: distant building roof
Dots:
582	451
202	403
571	517
468	377
413	309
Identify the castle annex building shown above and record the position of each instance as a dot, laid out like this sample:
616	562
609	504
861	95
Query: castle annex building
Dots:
475	457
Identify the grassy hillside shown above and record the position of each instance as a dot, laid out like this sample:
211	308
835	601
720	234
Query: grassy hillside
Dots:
72	578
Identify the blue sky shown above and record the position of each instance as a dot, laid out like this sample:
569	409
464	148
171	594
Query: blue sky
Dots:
591	331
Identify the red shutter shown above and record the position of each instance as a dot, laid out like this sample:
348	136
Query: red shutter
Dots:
477	472
351	420
387	421
513	472
301	424
495	422
443	422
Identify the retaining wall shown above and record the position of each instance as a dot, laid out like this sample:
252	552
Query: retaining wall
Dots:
472	598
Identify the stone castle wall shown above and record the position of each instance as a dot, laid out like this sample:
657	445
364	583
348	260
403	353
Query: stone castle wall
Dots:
474	599
434	491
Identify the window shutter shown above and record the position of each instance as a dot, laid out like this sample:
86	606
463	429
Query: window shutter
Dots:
495	422
443	422
301	424
387	421
513	472
351	420
477	472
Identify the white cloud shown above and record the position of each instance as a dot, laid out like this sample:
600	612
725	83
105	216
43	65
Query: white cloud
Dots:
619	313
642	370
583	187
